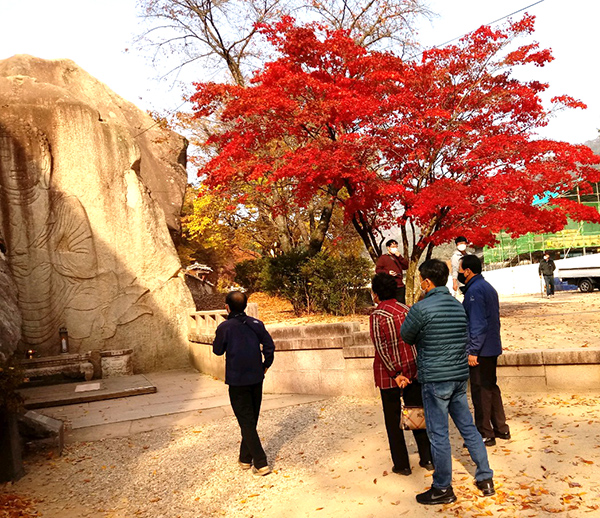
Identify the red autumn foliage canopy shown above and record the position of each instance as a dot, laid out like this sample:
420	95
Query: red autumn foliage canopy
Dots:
446	144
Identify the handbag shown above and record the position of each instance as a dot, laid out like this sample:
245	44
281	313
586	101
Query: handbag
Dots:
412	417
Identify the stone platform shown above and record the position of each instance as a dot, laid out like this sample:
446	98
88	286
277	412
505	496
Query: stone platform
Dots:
97	390
183	398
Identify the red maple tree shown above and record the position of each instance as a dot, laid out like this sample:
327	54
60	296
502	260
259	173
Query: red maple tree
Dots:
439	147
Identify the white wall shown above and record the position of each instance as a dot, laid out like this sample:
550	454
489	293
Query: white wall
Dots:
525	280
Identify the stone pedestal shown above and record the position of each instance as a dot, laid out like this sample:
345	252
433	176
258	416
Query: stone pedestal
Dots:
116	363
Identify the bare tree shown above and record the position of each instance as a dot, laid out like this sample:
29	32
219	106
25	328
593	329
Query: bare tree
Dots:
374	22
223	33
220	32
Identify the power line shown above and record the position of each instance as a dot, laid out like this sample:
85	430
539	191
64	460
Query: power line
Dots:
157	122
491	23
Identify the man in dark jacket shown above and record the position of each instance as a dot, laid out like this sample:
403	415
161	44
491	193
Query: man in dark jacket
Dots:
240	338
393	264
484	346
546	269
438	326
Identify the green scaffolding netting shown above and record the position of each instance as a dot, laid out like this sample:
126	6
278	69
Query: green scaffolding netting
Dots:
574	236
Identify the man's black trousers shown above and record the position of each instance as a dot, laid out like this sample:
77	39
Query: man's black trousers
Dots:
401	294
487	399
245	402
390	399
549	281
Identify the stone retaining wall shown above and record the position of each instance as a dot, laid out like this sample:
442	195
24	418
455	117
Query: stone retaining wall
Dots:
337	359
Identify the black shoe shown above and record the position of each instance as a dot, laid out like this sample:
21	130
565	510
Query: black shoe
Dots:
427	465
435	496
486	487
405	471
505	436
489	441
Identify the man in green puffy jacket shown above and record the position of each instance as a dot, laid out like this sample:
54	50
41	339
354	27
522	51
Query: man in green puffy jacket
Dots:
437	325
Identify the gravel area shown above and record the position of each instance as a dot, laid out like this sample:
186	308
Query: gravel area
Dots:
330	459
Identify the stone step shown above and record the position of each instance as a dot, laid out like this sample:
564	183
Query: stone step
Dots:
97	390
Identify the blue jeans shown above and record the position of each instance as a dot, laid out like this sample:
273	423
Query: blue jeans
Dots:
439	400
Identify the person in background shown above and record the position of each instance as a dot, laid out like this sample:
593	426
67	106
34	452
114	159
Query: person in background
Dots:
393	264
483	348
240	338
437	325
461	250
395	372
546	269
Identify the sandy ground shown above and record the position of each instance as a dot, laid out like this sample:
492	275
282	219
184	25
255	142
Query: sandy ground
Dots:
569	319
330	459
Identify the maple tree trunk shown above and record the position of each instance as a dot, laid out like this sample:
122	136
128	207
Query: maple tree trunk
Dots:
282	231
319	233
367	234
413	287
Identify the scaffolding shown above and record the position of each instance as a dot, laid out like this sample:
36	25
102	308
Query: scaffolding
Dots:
577	238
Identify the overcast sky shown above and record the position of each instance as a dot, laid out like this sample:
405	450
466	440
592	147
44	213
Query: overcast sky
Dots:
96	33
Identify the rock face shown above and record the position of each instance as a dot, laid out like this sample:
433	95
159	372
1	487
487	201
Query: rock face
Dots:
10	316
87	196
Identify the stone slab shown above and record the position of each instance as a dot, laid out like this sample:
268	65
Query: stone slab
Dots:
65	394
42	432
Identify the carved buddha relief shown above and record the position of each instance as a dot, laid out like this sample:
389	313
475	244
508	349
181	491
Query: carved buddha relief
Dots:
51	250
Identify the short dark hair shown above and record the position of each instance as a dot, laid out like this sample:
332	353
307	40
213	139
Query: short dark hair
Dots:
436	271
384	286
390	242
472	262
237	301
461	239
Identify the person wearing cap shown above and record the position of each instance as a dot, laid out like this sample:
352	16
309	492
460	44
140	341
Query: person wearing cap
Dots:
393	264
461	250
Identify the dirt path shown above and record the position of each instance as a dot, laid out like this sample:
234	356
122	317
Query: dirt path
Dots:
569	319
330	459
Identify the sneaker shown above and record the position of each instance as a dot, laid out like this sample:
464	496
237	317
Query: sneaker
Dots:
244	465
486	486
406	471
261	472
504	436
489	441
434	496
427	465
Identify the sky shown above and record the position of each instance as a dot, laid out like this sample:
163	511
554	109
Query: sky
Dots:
99	36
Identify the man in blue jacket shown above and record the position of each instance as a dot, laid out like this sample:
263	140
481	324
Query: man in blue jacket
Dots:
240	338
484	346
437	325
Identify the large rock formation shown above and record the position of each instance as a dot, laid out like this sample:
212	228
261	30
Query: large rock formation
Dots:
87	185
10	316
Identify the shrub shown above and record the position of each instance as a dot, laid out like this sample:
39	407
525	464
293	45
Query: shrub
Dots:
248	272
318	283
282	276
335	283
